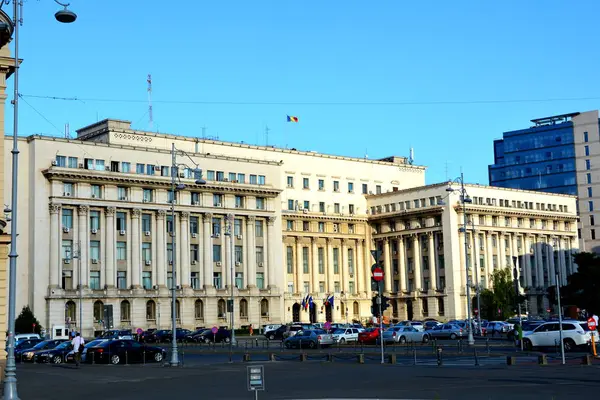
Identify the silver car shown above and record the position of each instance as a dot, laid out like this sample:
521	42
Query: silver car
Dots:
403	334
309	338
446	331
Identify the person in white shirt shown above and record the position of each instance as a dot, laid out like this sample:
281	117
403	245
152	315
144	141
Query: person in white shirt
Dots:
77	344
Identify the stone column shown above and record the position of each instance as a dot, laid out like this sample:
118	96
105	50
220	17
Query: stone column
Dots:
515	253
110	246
271	232
161	259
85	244
402	263
345	273
314	268
251	243
360	267
538	262
136	248
55	257
463	260
527	260
330	277
550	257
208	251
432	262
368	263
501	251
475	252
387	266
561	261
417	261
185	278
299	268
489	251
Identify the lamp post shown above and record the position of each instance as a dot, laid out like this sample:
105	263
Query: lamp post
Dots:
560	327
10	375
229	231
477	283
464	198
76	256
177	186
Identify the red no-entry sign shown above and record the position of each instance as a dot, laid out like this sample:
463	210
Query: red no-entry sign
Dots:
591	324
378	274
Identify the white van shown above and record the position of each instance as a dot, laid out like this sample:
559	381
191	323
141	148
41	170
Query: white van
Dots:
60	332
26	336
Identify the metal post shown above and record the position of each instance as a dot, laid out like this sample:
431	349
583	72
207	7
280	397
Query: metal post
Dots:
464	194
77	255
10	376
174	356
560	329
380	321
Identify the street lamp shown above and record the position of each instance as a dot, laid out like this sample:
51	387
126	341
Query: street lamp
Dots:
177	186
10	375
229	231
464	199
477	284
560	327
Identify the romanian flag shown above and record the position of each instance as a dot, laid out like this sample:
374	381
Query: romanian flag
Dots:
292	119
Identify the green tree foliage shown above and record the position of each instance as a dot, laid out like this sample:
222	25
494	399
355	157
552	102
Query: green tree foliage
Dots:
501	301
583	288
26	322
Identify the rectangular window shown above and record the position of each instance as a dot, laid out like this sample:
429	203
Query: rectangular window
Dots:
290	225
253	180
237	226
195	198
217	200
170	252
241	178
194	252
147	280
351	287
321	287
350	187
260	280
306	286
378	189
321	257
588	164
121	251
591	205
239	254
68	189
100	165
290	181
210	175
587	150
232	176
588	177
365	188
216	252
589	191
592	220
122	193
121	280
73	163
336	208
146	252
170	280
217	281
290	287
149	169
239	201
194	225
96	192
351	208
95	280
67	250
336	260
305	257
239	280
585	137
146	222
147	196
169	223
95	250
321	184
220	176
260	255
258	228
322	206
67	218
350	228
260	203
593	233
336	287
306	205
121	220
291	205
139	168
306	226
171	196
351	261
216	227
164	171
195	280
305	183
125	167
261	180
336	186
289	259
321	227
61	161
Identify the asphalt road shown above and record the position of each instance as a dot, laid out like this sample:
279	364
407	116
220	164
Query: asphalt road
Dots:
309	380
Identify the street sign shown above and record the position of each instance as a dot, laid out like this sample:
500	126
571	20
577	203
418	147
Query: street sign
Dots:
256	378
139	331
591	324
214	330
327	325
378	274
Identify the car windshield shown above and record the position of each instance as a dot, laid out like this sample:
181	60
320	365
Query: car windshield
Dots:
93	343
339	331
41	345
63	345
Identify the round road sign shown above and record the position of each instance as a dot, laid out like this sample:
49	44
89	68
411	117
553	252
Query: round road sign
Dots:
591	324
139	331
378	274
214	330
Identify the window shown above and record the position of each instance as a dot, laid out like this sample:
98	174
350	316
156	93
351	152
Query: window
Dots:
592	222
241	178
147	252
351	287
61	161
95	280
67	279
350	228
306	205
261	180
194	225
321	258
239	201
350	187
336	186
96	192
260	280
146	222
121	251
239	280
169	223
217	200
121	280
220	176
170	252
68	189
67	250
122	193
365	188
305	258
237	226
336	208
336	260
210	175
221	310
217	280
321	184
289	225
253	179
216	227
216	252
195	280
260	203
194	252
73	163
306	287
588	164
260	257
147	280
198	309
588	177
305	183
321	226
125	167
593	233
121	221
258	228
170	280
195	198
150	310
139	168
147	196
67	218
100	165
589	191
290	181
291	205
585	137
336	287
290	259
587	150
322	206
351	261
94	250
351	208
378	189
591	205
321	287
239	254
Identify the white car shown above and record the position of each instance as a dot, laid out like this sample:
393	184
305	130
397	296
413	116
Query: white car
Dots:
345	335
268	328
548	335
403	334
418	325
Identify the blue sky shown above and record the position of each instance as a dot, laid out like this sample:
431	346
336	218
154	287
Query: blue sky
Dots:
338	65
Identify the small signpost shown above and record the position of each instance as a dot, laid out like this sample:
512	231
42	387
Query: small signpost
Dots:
592	325
327	326
378	274
214	331
256	379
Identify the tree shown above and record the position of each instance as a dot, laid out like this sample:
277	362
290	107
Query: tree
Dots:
583	287
501	301
26	322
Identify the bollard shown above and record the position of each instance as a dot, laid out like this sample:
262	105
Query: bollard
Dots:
182	362
246	357
360	358
476	357
271	357
392	358
303	357
414	356
126	358
329	357
144	357
440	360
487	345
586	360
542	359
511	360
256	341
93	358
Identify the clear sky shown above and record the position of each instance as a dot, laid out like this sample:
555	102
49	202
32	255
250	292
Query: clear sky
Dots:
372	78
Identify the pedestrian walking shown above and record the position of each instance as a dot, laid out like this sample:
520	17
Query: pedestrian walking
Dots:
251	330
77	344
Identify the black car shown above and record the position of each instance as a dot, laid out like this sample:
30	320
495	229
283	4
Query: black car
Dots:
123	352
56	355
277	334
194	336
159	336
222	335
124	334
180	334
145	336
28	354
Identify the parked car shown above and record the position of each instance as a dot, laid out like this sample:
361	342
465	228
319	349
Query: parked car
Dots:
344	335
276	334
26	336
195	335
70	357
144	337
311	338
159	336
548	334
445	331
222	335
292	330
123	351
180	334
271	327
26	344
369	336
403	334
497	327
56	355
28	354
418	325
117	334
430	324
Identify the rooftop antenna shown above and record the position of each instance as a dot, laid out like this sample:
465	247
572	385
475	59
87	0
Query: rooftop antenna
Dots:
267	135
150	118
366	154
67	132
446	170
204	132
411	157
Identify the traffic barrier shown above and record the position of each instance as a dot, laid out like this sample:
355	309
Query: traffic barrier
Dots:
440	360
542	359
271	357
303	357
414	356
476	357
511	360
360	358
246	357
586	360
329	357
392	358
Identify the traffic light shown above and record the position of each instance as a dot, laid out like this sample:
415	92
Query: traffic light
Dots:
384	303
374	307
551	293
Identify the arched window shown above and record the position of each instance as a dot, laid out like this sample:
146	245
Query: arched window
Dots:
244	308
151	310
221	308
70	312
125	311
343	307
356	309
199	309
177	311
264	308
98	311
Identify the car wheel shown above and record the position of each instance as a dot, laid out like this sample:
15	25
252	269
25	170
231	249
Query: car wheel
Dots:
569	345
402	339
453	336
342	341
158	357
271	337
425	338
114	359
311	345
527	344
57	360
